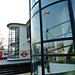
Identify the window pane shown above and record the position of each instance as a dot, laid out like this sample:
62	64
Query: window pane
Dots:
35	29
9	30
56	21
36	49
59	47
14	42
12	28
17	30
36	64
33	2
46	2
35	9
28	32
59	65
13	36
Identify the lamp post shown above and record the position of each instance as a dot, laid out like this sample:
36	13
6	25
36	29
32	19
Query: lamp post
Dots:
45	14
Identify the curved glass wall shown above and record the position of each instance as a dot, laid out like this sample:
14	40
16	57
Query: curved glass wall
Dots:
35	38
33	2
14	42
56	24
55	36
35	9
46	2
35	29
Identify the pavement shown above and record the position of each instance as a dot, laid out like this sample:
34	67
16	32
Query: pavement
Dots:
6	62
24	74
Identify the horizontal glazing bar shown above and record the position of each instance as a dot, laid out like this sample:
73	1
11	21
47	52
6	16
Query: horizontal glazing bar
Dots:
55	55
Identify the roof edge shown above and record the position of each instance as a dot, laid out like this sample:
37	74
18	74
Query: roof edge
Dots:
15	24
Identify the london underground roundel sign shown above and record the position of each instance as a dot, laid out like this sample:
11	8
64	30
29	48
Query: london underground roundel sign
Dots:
24	54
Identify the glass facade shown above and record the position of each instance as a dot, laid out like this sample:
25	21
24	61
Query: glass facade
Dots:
56	24
52	37
14	42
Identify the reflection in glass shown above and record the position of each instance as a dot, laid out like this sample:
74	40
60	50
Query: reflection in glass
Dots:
46	2
36	63
60	65
13	35
59	47
35	9
56	24
35	29
36	49
33	2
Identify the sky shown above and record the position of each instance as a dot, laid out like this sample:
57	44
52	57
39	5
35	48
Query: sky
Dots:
12	11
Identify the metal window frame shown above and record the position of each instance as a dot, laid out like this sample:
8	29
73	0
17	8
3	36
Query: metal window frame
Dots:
70	38
71	14
30	34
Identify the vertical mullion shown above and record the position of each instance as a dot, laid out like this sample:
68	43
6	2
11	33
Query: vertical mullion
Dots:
30	35
72	20
15	42
18	34
11	40
42	51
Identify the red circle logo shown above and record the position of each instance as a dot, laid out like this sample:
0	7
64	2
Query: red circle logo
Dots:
24	54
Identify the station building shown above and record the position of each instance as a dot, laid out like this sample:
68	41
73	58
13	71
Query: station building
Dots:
19	41
52	37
